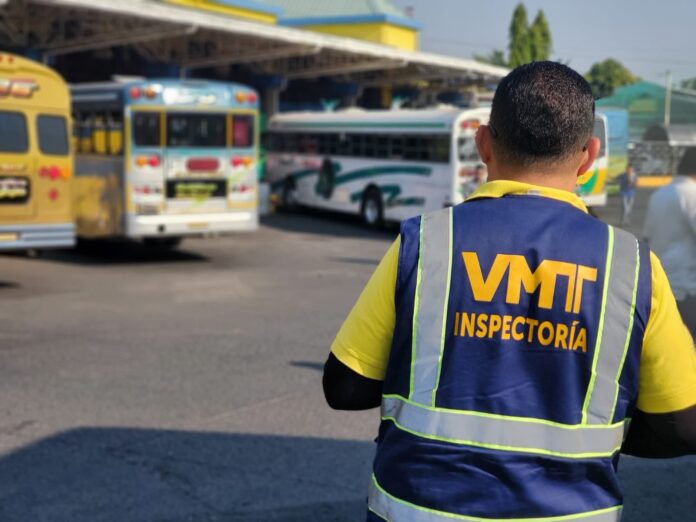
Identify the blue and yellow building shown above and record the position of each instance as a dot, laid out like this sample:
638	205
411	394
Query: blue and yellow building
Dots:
375	21
252	10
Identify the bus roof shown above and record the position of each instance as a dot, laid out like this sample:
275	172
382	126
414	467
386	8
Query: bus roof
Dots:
29	83
165	91
402	120
145	82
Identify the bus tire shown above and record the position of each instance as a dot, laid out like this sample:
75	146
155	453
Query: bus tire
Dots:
372	208
288	196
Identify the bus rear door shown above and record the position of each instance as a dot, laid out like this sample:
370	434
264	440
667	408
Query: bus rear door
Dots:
196	165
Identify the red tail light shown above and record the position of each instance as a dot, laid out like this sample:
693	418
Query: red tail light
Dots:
251	97
53	194
44	172
54	172
203	164
236	161
135	93
154	161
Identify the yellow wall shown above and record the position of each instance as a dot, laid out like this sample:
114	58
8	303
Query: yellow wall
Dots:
237	12
380	32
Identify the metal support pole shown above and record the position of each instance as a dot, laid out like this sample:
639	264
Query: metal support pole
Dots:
668	98
271	102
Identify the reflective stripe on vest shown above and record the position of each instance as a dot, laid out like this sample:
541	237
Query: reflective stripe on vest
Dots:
594	435
392	509
615	326
502	432
432	285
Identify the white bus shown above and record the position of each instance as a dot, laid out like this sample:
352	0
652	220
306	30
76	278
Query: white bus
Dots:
383	165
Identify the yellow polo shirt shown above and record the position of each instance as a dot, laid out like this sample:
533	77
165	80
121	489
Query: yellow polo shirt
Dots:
668	360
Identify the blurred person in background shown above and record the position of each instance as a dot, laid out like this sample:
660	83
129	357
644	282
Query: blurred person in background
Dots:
479	178
670	228
627	187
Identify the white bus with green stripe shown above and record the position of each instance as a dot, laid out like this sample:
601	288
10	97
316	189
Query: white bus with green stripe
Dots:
382	165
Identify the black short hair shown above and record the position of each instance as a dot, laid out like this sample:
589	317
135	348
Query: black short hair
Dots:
687	163
542	111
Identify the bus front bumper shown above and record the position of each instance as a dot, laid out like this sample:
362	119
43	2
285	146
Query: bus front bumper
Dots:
189	225
41	236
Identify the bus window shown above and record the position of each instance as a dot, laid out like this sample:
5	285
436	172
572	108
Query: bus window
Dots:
53	135
115	133
412	148
397	147
357	145
344	144
99	135
307	144
82	132
146	129
600	133
196	130
242	131
13	132
328	144
441	149
382	147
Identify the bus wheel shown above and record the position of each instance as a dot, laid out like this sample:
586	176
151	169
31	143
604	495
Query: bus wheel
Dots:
288	198
162	243
371	209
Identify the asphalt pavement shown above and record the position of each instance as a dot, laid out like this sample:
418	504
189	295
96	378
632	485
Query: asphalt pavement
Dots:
186	386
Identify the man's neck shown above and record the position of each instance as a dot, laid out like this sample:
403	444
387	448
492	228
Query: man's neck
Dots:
550	180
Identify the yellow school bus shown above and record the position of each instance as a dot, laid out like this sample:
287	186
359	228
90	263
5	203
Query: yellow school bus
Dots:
35	158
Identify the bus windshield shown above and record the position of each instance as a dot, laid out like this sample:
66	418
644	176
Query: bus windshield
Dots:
196	130
13	132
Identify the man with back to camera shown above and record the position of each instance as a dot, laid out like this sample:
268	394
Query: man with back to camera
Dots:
510	338
670	227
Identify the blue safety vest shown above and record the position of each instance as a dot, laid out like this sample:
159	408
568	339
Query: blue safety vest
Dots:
514	365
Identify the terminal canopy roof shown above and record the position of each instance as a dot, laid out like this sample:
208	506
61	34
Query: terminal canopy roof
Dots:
196	39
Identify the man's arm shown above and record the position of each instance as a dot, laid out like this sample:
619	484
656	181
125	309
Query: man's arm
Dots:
664	424
662	435
345	389
355	369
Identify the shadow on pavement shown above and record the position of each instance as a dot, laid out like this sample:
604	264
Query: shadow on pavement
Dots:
310	365
104	252
152	475
142	475
322	223
355	260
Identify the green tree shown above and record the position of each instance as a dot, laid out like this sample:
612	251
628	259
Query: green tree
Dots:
540	43
604	77
495	57
519	47
689	83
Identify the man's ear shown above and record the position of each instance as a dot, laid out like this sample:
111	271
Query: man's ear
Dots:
484	143
589	155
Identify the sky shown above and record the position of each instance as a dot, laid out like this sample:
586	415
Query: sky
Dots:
648	37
